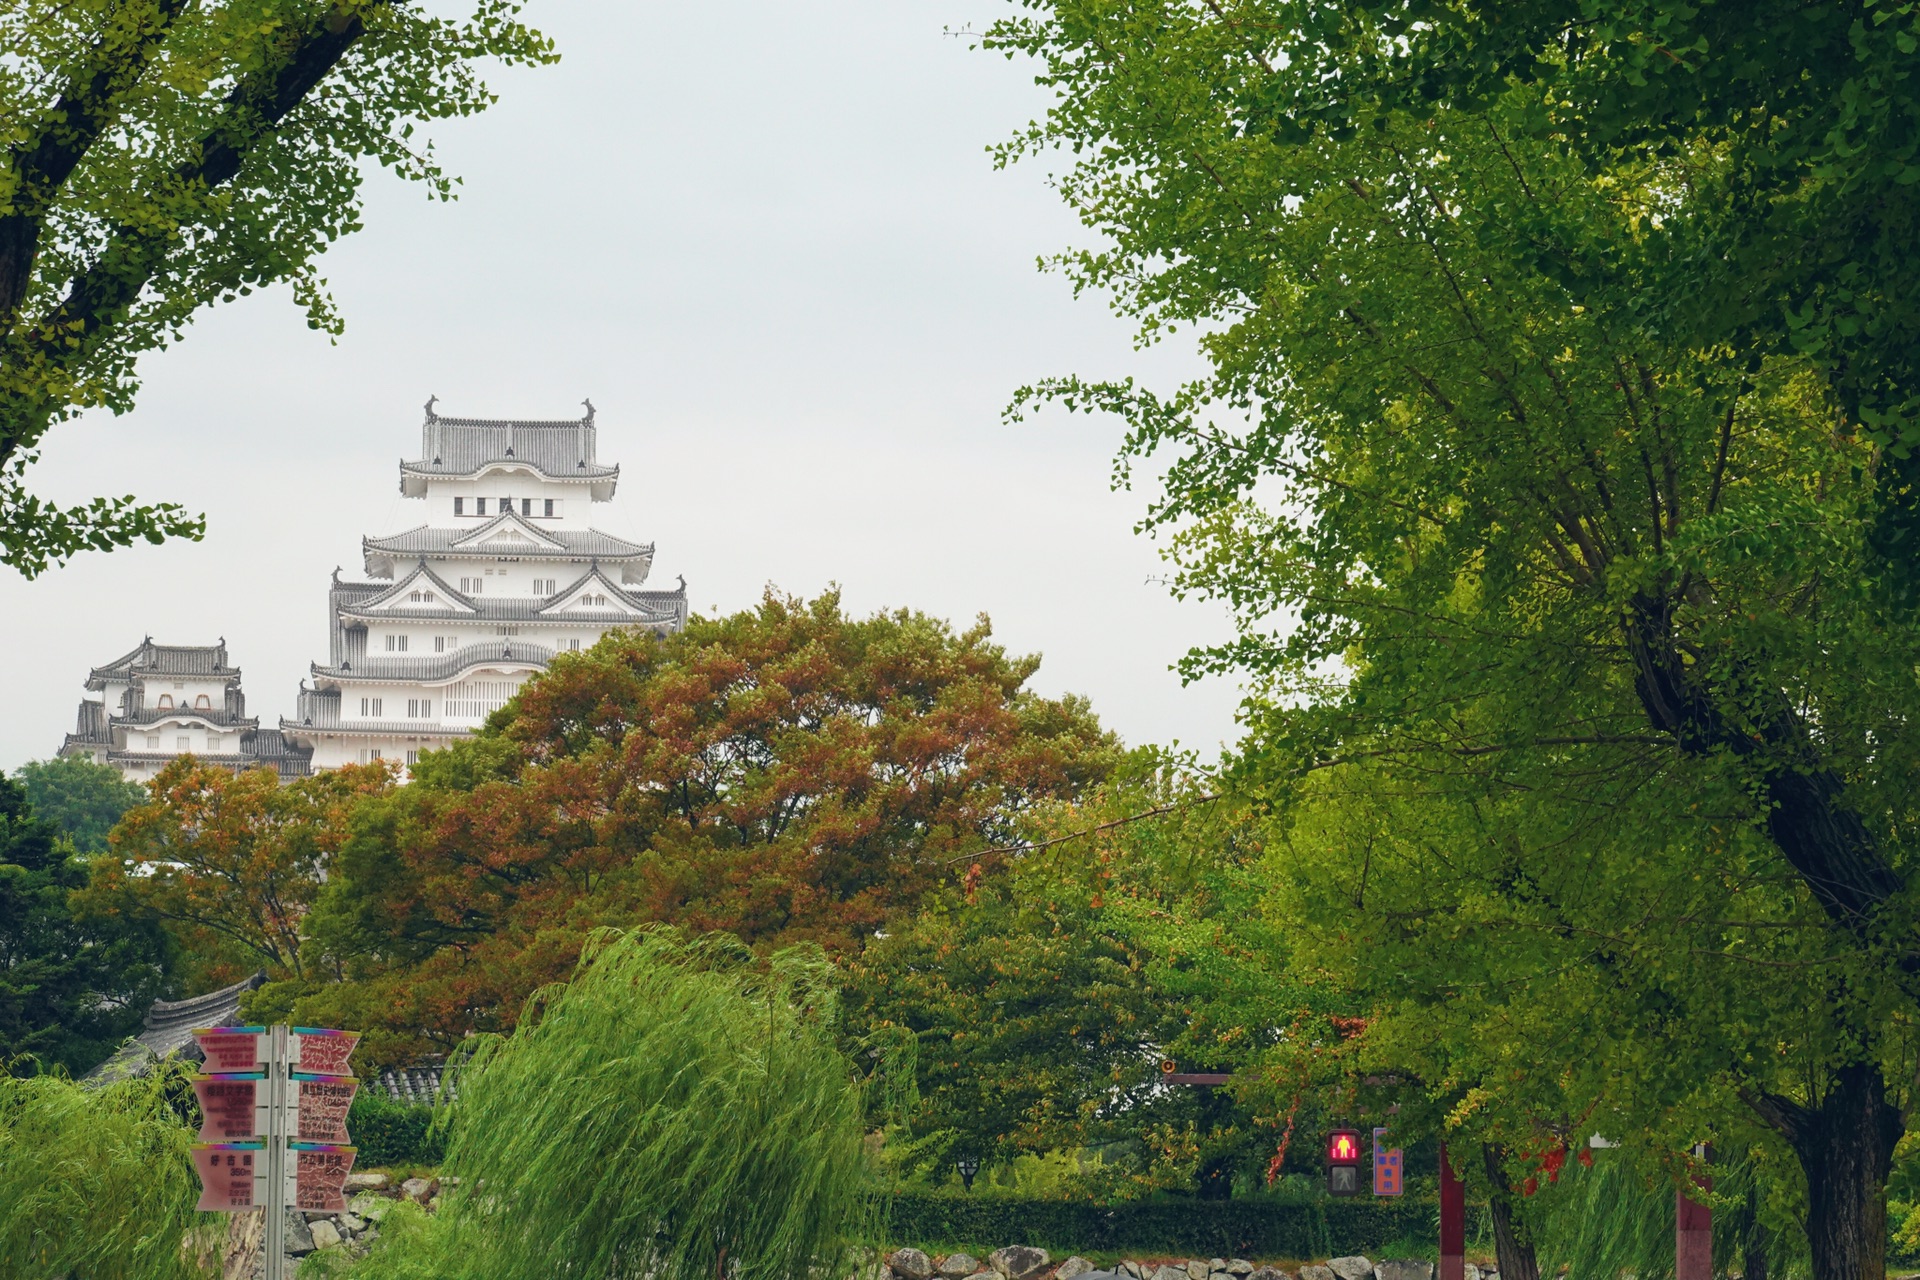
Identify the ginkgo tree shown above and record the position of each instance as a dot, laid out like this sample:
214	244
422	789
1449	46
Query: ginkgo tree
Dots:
159	155
1502	510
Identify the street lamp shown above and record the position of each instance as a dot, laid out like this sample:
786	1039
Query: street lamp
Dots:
968	1166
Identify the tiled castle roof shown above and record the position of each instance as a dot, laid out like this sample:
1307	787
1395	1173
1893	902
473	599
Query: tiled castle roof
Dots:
562	449
169	1029
430	541
150	659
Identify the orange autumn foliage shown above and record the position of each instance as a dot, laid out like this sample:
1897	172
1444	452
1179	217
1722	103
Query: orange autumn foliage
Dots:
784	774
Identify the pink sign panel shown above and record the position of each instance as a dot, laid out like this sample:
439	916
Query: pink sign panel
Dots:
321	1176
226	1105
324	1051
323	1106
231	1048
226	1172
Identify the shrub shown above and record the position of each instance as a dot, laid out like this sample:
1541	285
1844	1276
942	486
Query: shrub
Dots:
390	1133
1250	1228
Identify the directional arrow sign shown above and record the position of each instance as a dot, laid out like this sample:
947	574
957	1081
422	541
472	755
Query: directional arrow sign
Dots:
323	1106
231	1048
226	1172
321	1177
227	1103
322	1050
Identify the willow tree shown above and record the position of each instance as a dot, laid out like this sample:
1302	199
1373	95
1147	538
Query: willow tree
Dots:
97	1183
1495	507
678	1110
160	155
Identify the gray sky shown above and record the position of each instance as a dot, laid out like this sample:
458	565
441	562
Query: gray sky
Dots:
766	240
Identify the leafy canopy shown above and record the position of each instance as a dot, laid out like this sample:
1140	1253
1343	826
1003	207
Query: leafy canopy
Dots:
72	987
83	799
1045	994
228	863
1555	553
160	155
785	774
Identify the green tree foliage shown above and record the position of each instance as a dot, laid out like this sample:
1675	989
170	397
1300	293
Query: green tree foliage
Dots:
162	155
677	1110
1046	995
71	987
83	799
1564	581
785	774
96	1183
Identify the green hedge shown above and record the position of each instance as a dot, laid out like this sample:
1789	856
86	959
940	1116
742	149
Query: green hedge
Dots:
1253	1228
390	1133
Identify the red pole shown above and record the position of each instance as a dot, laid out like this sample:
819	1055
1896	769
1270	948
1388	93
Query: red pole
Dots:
1453	1221
1693	1230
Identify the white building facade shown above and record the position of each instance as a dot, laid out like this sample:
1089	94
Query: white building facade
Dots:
159	701
506	571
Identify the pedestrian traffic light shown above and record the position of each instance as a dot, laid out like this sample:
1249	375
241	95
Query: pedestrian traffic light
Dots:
1343	1162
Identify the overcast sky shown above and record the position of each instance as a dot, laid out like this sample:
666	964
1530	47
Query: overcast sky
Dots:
765	239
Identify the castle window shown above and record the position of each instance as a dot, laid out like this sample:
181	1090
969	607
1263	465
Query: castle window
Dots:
413	757
166	702
573	645
420	708
396	644
526	506
459	506
439	644
203	703
549	506
479	506
183	743
370	707
153	742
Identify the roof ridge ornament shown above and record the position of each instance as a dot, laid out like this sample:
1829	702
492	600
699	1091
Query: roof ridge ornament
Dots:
588	420
431	415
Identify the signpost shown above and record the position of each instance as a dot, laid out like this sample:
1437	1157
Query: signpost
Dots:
273	1137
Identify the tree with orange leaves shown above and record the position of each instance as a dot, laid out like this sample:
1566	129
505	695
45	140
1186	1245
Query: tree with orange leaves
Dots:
229	863
785	774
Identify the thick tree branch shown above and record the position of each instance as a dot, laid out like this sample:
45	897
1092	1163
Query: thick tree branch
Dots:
99	296
42	162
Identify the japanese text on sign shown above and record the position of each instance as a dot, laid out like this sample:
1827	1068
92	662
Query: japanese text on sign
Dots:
324	1101
322	1177
226	1172
323	1051
227	1104
231	1048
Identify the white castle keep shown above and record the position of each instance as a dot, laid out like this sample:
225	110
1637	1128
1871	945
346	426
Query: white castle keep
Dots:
506	571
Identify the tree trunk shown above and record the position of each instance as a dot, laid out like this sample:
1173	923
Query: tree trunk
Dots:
1511	1244
1845	1145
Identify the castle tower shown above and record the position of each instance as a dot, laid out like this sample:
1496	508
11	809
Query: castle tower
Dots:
158	701
507	571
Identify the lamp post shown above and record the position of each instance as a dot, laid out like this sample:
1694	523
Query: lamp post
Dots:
968	1166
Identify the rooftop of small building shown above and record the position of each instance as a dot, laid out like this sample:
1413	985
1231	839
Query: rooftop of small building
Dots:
172	660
